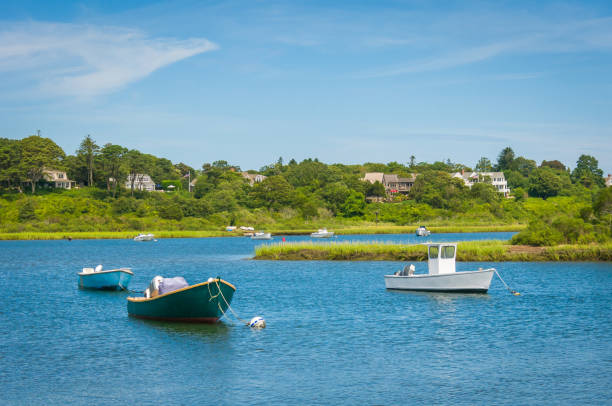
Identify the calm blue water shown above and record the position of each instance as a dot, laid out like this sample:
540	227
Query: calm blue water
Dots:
334	336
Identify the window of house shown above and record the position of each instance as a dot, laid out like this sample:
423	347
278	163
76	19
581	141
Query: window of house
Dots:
60	176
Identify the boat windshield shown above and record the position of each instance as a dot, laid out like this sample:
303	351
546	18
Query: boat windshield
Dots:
433	251
448	251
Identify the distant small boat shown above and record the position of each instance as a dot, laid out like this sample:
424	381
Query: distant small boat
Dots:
113	279
322	233
144	237
441	276
172	299
422	231
261	236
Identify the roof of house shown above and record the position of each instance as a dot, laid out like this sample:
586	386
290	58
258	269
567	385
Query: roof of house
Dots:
475	175
374	177
390	177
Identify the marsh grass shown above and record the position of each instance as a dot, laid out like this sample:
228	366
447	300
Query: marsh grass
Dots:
488	251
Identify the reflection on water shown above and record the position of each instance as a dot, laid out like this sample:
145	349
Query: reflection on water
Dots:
211	331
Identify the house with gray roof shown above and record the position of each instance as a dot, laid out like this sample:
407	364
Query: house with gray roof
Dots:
393	183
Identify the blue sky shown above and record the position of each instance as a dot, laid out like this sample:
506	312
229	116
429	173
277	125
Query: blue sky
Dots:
348	82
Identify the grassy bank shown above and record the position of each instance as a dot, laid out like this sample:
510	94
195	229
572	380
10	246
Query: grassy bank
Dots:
467	251
387	229
99	235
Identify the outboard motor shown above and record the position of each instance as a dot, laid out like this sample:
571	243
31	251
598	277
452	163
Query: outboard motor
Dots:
153	288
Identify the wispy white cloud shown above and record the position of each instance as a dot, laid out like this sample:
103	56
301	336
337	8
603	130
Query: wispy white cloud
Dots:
536	37
86	60
454	59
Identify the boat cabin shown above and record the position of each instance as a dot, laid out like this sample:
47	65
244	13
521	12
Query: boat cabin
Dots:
441	258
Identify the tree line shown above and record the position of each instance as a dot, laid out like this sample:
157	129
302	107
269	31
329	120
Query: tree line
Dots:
293	192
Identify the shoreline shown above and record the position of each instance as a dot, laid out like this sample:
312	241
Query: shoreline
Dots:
467	251
367	230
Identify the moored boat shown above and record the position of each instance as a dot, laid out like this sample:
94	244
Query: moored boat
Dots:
112	279
322	233
422	231
144	237
441	276
172	299
260	235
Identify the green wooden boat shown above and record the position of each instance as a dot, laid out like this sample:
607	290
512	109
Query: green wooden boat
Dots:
205	302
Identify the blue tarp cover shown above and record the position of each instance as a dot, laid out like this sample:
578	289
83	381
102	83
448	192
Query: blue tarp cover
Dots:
172	284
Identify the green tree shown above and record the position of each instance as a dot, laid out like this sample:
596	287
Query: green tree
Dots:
354	205
37	154
171	211
545	182
375	189
335	194
88	149
438	189
112	158
10	155
523	165
554	165
274	192
484	192
26	211
587	172
505	158
483	165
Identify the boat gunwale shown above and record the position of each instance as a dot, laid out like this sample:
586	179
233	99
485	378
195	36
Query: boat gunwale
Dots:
441	274
125	270
142	299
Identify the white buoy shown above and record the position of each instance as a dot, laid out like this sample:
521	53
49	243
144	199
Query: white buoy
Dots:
257	322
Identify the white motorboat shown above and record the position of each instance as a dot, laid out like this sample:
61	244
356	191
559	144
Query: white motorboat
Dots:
144	237
322	233
441	276
422	231
260	235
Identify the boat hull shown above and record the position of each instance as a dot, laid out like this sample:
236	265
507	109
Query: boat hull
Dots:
322	235
199	303
116	279
467	282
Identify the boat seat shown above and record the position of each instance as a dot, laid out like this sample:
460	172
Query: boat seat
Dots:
88	270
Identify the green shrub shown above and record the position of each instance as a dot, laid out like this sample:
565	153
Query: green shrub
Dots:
171	211
26	211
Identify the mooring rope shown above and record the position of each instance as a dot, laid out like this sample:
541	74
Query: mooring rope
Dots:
225	300
514	292
129	290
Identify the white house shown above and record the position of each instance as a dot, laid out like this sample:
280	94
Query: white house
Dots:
141	182
497	179
59	179
253	178
608	180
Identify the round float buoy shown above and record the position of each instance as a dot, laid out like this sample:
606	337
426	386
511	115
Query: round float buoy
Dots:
257	322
